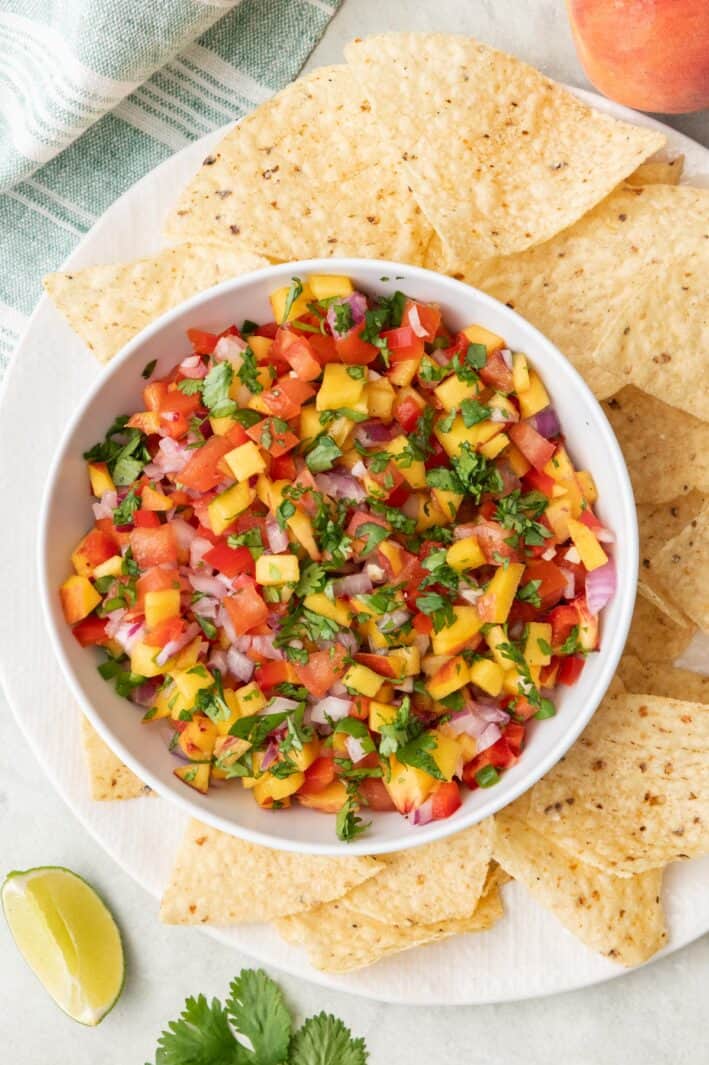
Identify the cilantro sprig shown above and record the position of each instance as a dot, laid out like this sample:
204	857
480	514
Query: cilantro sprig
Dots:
212	1033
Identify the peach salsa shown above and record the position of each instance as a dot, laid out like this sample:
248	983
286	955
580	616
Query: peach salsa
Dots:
345	555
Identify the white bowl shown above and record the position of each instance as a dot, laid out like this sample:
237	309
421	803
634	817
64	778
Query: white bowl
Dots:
67	514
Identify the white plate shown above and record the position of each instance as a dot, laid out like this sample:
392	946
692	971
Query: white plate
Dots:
525	955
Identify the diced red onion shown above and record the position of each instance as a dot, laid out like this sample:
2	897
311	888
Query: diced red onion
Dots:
218	660
106	506
549	554
506	357
171	457
601	586
144	694
270	754
393	621
353	584
516	629
193	367
372	375
280	705
239	665
604	536
129	633
410	507
175	646
340	486
572	555
470	595
422	814
348	640
570	586
498	415
475	718
375	573
422	642
374	432
224	622
405	685
184	533
546	422
207	607
113	622
276	536
207	586
198	549
489	735
263	645
440	357
339	690
415	322
229	349
330	707
355	748
357	304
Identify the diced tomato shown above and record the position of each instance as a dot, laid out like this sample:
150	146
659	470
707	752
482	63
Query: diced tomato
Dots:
97	547
537	481
398	496
535	448
146	519
283	468
438	456
374	794
230	560
324	348
272	673
246	608
322	670
165	632
202	472
445	800
500	755
154	547
428	316
522	707
154	395
515	734
496	373
562	619
551	578
588	518
359	518
118	537
352	349
403	343
91	631
268	330
318	775
423	624
277	441
237	436
547	674
302	359
287	397
492	538
570	669
203	343
360	707
407	412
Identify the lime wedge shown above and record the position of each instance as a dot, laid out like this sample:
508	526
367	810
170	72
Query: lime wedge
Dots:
67	937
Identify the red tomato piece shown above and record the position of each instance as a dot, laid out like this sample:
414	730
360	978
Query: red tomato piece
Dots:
423	624
246	608
570	669
230	560
146	519
551	578
154	547
496	373
445	800
203	343
156	579
272	673
91	631
318	775
515	734
352	349
277	441
407	412
165	632
375	795
237	436
324	348
535	448
322	670
492	538
283	468
360	707
562	619
301	357
268	330
429	317
537	481
202	472
97	547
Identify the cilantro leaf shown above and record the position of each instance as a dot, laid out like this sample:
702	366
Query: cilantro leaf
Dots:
472	412
123	514
518	513
324	1040
529	593
257	1010
416	753
343	317
190	386
147	372
201	1036
373	534
312	579
438	609
248	372
323	455
475	472
295	290
445	479
215	391
571	644
347	826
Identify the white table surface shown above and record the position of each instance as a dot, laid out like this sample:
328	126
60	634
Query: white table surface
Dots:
650	1017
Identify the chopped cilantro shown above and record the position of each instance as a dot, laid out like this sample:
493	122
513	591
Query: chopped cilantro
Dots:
529	593
323	455
148	369
248	372
123	514
294	291
215	393
473	412
438	609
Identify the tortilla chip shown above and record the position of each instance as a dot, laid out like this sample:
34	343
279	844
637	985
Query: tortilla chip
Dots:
677	573
633	793
661	602
658	172
666	450
575	285
616	686
653	637
660	522
306	174
219	879
619	917
338	939
108	305
109	778
410	888
660	339
654	678
499	157
695	656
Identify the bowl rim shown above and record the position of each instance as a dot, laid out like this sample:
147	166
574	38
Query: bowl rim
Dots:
609	655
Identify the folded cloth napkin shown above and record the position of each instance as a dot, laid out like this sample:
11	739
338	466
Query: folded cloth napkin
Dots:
95	93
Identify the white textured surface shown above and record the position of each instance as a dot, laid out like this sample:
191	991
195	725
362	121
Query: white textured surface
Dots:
652	1016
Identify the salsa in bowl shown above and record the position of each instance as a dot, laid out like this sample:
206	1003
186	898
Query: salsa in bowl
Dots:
347	556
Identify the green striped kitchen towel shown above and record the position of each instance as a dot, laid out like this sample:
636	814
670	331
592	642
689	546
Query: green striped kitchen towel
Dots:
95	93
